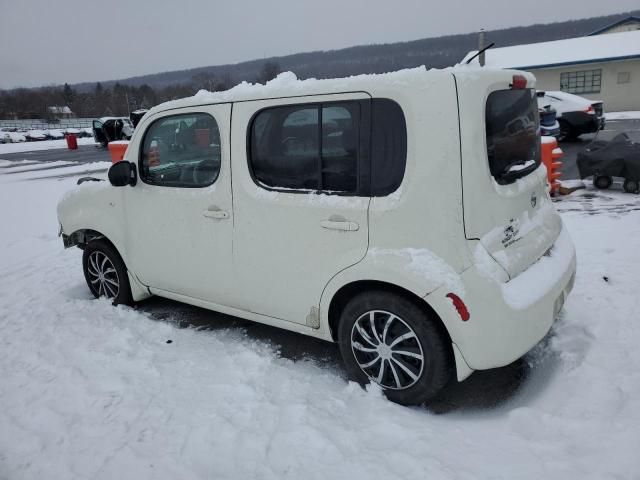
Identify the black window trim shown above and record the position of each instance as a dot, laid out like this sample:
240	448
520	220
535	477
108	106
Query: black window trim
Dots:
173	115
364	146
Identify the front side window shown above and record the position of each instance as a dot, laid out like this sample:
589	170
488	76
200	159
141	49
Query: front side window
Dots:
307	147
181	151
586	81
513	139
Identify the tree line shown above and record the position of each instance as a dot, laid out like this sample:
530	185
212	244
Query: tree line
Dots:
116	100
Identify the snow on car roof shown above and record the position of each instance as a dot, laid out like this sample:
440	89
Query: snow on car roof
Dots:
287	84
564	52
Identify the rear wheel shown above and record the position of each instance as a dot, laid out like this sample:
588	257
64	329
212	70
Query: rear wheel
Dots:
105	272
566	132
631	186
602	181
388	340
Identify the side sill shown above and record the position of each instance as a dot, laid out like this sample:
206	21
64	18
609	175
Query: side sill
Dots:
320	333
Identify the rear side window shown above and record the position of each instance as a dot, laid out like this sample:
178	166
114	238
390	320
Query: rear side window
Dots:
181	151
388	146
513	139
307	147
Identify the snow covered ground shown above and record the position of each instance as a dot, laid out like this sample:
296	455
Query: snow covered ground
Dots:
630	115
92	391
42	145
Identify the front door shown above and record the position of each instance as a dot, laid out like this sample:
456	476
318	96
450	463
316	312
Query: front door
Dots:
179	215
300	214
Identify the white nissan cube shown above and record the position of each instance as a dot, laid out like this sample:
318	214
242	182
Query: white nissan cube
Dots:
404	216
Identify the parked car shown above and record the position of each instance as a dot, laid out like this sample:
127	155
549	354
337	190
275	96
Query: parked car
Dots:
576	115
35	135
109	129
604	160
426	245
136	116
54	134
12	137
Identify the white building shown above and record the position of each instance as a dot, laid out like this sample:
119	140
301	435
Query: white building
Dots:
599	67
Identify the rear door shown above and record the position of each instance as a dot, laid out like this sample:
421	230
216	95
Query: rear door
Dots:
506	202
300	216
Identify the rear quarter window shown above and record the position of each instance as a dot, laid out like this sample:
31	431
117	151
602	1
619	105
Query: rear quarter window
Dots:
513	134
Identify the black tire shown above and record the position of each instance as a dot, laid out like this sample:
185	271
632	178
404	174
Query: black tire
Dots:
602	181
437	366
106	273
631	186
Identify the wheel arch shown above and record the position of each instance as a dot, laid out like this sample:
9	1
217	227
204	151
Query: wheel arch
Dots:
81	237
342	296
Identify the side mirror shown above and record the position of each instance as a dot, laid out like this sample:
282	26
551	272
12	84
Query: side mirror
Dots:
122	174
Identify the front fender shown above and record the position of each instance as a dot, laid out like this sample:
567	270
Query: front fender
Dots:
96	206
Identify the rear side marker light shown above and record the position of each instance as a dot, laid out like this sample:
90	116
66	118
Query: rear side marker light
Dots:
460	306
519	81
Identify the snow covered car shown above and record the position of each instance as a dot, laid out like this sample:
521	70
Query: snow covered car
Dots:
13	137
109	129
54	134
35	135
576	115
426	246
619	157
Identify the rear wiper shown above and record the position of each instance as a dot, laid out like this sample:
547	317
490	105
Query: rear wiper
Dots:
508	175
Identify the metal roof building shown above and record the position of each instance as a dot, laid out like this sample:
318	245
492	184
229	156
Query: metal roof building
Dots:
598	66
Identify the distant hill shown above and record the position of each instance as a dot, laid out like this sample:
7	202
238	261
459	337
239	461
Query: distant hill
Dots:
435	52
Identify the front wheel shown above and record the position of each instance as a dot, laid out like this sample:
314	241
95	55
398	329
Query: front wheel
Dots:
388	340
105	272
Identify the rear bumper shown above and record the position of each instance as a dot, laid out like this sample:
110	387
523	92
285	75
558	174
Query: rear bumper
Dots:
508	319
582	122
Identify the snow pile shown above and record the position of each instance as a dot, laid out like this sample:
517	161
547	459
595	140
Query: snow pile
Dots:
424	263
630	115
93	391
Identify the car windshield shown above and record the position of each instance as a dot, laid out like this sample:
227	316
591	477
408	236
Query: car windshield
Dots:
513	134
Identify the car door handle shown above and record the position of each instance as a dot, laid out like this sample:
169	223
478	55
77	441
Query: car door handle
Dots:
216	213
344	225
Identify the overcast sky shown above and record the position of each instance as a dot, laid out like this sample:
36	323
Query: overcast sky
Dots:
46	42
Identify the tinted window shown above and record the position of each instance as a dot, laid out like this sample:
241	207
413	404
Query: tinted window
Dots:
307	147
389	146
513	140
181	151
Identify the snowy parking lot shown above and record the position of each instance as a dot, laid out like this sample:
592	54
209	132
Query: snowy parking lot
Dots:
89	390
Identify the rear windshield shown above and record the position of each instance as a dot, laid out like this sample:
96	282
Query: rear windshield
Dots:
513	139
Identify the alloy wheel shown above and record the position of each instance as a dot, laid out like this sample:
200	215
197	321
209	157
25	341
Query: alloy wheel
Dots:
387	350
103	275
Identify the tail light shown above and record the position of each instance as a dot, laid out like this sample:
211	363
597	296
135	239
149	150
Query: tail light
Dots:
519	81
589	109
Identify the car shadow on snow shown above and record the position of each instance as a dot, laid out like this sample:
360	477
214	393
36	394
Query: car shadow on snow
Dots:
482	391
